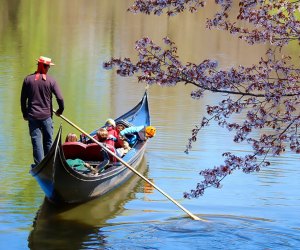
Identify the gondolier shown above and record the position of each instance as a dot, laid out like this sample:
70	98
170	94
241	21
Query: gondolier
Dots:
36	106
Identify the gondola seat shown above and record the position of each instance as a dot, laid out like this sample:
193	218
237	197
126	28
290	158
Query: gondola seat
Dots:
73	150
93	152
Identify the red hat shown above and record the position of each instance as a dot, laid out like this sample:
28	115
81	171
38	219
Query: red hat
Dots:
45	60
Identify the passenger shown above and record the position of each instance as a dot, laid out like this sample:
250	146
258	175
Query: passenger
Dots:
104	137
120	127
110	125
114	130
124	149
108	140
135	133
71	137
123	143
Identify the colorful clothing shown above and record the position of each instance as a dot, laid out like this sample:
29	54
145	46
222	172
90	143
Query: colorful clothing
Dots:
133	134
114	133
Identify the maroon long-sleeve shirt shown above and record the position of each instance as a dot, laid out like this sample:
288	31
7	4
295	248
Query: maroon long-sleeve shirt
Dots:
36	97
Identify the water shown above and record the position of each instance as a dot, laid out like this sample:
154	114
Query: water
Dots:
256	211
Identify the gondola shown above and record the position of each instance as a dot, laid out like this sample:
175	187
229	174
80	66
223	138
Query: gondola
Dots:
63	184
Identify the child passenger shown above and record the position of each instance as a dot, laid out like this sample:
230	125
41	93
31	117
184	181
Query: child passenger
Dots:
71	137
123	143
104	137
110	126
113	132
135	133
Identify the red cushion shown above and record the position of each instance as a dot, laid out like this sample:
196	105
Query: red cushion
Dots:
93	152
73	150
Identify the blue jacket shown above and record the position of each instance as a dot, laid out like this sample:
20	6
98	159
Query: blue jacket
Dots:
133	134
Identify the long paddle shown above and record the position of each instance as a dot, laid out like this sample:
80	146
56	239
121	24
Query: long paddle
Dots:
131	168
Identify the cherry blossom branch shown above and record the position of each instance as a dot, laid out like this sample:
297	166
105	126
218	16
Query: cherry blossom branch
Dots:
264	96
248	164
163	67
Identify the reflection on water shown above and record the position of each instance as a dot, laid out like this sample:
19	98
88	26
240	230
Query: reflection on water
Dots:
74	226
148	189
84	227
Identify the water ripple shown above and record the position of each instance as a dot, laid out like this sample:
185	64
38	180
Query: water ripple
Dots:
221	232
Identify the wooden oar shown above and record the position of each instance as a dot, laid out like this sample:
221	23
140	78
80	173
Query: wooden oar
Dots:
131	168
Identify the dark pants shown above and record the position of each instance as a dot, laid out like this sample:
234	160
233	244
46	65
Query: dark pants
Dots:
41	132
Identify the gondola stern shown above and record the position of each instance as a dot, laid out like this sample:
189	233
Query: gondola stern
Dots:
44	172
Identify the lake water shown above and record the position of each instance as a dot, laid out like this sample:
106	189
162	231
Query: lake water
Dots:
256	211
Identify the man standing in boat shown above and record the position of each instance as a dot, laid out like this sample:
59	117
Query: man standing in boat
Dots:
36	106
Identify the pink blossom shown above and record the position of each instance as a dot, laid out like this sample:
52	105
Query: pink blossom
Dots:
266	95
